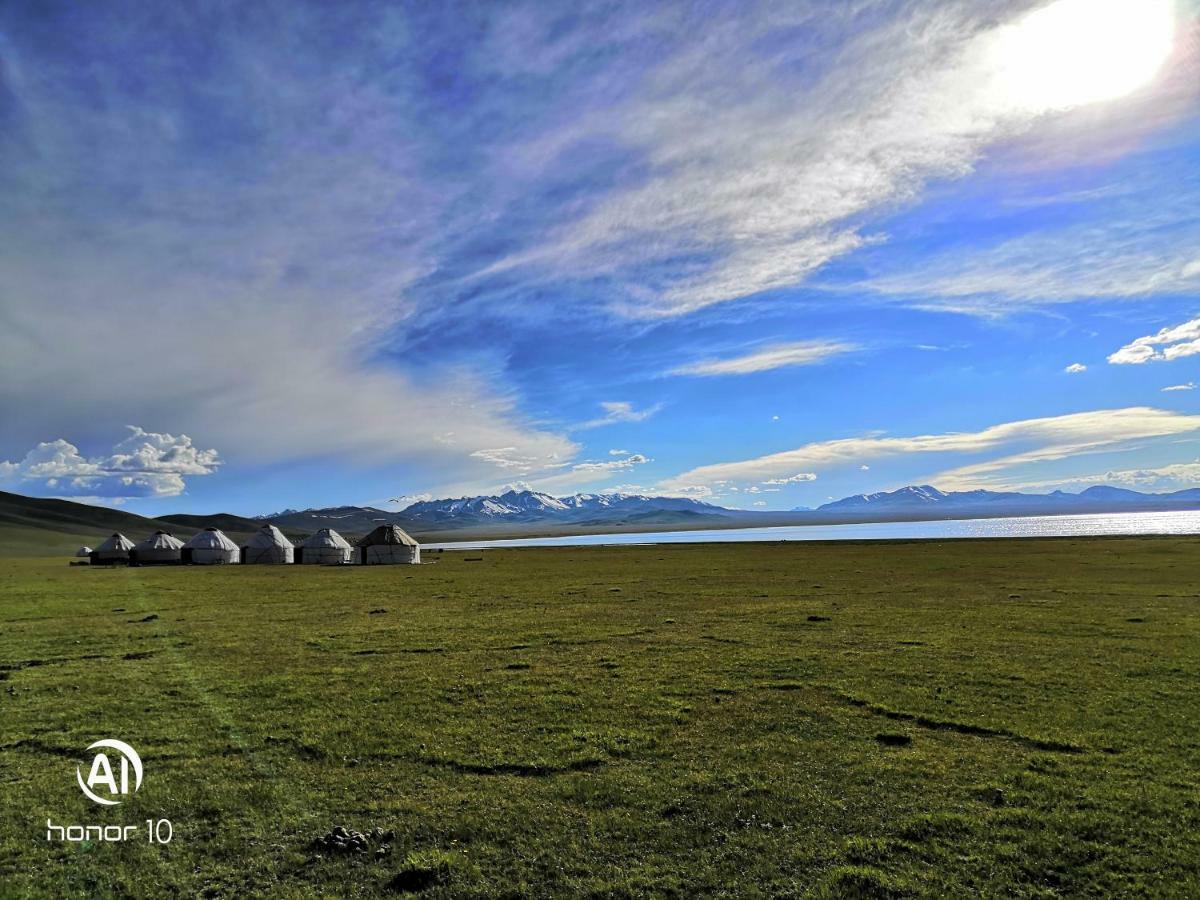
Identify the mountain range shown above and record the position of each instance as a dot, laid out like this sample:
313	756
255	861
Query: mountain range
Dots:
926	499
509	509
513	513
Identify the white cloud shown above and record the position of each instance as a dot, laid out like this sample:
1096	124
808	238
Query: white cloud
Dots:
617	411
1175	476
406	500
1165	345
618	452
1075	368
1033	440
143	464
760	502
615	465
776	356
793	479
1187	386
757	195
259	305
864	468
1135	253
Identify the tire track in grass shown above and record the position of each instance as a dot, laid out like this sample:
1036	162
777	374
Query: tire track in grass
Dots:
221	712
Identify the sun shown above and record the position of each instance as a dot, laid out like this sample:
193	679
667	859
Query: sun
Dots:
1075	52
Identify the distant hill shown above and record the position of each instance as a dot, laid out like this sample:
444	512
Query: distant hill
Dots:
224	521
68	517
31	523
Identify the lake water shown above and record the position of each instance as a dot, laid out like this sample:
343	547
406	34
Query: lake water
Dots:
1175	522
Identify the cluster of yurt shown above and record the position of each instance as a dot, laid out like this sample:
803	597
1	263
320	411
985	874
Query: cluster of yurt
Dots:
386	545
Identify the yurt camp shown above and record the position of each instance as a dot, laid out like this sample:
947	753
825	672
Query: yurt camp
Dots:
160	549
325	548
210	548
83	552
267	546
113	551
388	545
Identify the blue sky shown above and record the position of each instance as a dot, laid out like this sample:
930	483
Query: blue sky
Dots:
765	254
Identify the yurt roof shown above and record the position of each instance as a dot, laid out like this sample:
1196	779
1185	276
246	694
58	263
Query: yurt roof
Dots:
161	540
210	538
117	542
388	534
83	551
326	537
268	536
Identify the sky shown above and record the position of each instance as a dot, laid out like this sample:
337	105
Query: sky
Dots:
289	255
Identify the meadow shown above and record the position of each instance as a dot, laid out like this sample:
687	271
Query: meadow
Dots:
945	718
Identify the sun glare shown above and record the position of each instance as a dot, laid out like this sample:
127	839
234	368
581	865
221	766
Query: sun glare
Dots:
1074	52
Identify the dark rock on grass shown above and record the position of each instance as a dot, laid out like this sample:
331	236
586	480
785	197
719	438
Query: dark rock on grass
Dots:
819	619
342	841
150	618
1136	619
377	612
893	740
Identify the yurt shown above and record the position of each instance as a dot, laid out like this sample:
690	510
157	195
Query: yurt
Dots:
210	548
325	548
160	549
83	552
388	545
114	550
268	546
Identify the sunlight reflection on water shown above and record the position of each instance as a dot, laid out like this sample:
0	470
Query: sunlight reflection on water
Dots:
1175	522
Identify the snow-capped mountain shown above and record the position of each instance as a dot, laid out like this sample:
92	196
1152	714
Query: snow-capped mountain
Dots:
913	495
526	506
516	510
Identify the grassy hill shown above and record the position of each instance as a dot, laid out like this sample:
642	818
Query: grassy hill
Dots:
776	720
37	526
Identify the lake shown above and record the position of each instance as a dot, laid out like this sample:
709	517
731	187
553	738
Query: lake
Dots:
1174	522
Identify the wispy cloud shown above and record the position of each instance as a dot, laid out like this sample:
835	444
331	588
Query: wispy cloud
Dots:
611	465
740	198
1075	368
1163	346
1186	386
617	411
1033	440
775	356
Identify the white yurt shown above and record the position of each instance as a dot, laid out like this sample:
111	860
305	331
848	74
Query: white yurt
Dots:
83	552
114	550
160	549
210	548
325	548
268	546
389	545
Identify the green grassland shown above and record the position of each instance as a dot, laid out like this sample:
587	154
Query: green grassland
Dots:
834	720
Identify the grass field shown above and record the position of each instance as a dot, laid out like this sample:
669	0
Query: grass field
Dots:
928	718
